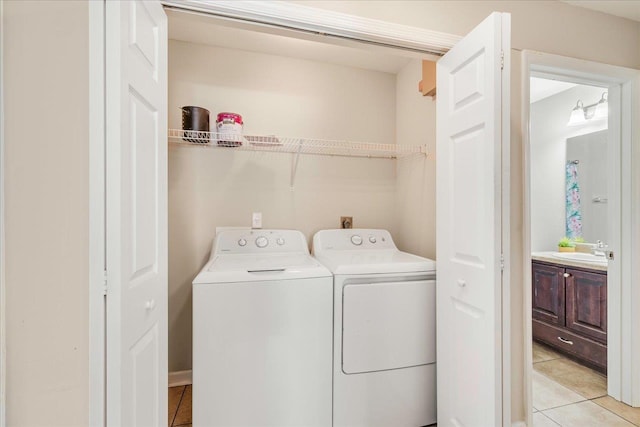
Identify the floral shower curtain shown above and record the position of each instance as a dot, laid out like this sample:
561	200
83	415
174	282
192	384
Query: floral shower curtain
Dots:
574	216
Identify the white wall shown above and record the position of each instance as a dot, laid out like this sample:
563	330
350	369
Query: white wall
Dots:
416	182
46	85
281	96
549	133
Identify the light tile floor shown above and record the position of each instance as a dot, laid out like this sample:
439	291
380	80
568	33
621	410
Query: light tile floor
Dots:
568	394
565	394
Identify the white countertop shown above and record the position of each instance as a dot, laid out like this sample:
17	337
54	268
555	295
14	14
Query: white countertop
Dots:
550	258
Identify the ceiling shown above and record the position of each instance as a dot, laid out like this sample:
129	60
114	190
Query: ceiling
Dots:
629	9
543	88
214	32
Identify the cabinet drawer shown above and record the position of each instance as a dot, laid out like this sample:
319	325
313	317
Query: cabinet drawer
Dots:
585	349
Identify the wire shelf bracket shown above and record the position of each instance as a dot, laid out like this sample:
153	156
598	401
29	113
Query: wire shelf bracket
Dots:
294	166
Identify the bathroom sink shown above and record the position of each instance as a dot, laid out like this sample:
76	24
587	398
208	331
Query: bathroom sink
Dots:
581	256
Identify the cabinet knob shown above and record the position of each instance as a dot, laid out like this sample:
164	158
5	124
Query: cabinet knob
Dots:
565	275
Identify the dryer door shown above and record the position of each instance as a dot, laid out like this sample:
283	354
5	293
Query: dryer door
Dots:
388	325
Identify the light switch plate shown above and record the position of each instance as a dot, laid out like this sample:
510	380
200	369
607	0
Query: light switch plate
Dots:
256	220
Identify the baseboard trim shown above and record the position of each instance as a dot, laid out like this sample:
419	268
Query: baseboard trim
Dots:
179	378
519	424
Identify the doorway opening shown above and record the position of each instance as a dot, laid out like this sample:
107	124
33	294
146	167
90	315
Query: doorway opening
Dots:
578	255
569	226
282	84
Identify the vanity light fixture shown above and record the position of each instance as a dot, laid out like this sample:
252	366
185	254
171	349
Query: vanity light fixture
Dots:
581	114
602	108
577	115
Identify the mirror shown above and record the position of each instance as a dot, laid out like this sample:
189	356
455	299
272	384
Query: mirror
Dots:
586	186
552	143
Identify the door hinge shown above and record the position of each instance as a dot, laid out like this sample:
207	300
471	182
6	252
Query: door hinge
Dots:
104	283
502	59
501	262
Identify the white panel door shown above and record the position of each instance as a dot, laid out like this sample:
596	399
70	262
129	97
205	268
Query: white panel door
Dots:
136	213
469	226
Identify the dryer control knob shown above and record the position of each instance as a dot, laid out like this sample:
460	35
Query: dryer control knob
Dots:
262	242
356	240
242	242
280	241
372	239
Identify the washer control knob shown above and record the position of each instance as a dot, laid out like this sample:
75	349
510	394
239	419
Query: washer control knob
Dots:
280	241
372	239
242	242
356	240
262	242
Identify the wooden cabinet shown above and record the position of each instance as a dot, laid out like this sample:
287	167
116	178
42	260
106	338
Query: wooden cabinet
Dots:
570	311
548	294
586	304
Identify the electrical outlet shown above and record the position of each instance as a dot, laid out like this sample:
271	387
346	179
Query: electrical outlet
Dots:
346	222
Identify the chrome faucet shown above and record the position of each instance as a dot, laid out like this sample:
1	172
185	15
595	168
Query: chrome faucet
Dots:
600	248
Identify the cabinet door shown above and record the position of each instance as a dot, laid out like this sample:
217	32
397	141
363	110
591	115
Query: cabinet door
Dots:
548	293
586	295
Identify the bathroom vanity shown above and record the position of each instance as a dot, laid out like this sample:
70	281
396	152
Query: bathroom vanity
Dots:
569	303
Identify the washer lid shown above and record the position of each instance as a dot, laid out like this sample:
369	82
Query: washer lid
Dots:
252	268
374	261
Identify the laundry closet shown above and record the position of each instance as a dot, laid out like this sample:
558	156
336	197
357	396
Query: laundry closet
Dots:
292	89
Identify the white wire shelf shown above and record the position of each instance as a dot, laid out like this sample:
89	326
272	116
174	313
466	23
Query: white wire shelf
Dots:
277	144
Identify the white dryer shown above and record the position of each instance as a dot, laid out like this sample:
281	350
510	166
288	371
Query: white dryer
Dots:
384	336
262	333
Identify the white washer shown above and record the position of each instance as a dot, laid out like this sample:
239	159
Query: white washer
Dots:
384	371
262	333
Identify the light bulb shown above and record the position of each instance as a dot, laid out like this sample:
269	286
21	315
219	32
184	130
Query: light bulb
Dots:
577	115
602	109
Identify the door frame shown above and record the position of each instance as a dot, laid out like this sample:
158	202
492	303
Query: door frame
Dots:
623	349
282	18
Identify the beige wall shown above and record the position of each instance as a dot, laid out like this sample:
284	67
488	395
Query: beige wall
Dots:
281	96
46	115
546	26
46	71
515	257
416	181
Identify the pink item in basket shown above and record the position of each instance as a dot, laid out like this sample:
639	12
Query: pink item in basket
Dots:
229	129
